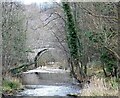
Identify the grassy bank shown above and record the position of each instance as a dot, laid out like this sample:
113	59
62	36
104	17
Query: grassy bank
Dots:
101	87
99	84
12	86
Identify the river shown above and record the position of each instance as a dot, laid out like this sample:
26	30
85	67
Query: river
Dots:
38	91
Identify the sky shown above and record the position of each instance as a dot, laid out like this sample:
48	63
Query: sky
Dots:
37	1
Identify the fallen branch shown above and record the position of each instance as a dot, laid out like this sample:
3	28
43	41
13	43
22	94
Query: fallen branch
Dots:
24	66
20	68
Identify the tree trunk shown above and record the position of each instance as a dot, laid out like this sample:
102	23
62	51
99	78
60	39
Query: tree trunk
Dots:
72	40
105	73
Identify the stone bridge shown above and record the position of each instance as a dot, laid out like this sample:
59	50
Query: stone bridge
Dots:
33	53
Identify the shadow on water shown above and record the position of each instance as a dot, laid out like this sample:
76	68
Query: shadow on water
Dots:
39	97
60	97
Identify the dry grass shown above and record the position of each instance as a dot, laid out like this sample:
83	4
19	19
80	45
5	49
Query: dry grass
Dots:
11	85
99	87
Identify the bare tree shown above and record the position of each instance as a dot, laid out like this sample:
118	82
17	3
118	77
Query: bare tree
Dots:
13	35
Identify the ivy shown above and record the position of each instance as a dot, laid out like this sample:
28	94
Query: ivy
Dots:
72	34
109	61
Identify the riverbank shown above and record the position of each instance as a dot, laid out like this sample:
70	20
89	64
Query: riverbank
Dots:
11	86
101	87
55	84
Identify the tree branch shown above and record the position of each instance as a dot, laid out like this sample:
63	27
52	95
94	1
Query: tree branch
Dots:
50	21
99	16
59	16
114	53
59	41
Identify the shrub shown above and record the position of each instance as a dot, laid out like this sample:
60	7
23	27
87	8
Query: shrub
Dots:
9	86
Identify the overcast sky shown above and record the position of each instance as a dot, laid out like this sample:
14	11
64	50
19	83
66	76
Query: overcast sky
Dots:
37	1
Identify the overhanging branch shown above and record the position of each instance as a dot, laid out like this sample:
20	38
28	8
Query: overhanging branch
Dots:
99	16
114	53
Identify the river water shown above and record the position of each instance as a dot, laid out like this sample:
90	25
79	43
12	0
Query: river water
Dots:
48	90
56	91
50	82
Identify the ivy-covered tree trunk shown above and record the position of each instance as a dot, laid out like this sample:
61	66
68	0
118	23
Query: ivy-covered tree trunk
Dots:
72	41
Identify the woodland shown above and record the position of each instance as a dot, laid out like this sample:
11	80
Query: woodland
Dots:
87	33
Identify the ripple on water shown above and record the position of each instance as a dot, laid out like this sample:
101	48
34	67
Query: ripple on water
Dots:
43	90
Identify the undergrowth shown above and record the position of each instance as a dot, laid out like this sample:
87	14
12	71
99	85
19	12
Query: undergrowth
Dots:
99	84
11	86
